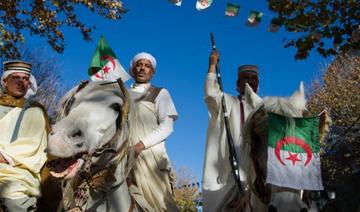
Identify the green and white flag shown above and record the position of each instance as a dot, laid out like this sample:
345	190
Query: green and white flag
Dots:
232	10
105	65
176	2
203	4
254	18
294	153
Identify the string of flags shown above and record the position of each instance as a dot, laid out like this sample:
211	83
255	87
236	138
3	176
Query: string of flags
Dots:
191	185
232	10
254	18
203	4
176	2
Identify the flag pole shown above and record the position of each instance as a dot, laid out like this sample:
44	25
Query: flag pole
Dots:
232	155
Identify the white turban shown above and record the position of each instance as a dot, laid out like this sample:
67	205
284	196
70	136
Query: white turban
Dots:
143	55
32	87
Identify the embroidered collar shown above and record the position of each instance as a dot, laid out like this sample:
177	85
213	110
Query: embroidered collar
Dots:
7	100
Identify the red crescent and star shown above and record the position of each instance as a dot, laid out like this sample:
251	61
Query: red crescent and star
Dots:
106	69
293	157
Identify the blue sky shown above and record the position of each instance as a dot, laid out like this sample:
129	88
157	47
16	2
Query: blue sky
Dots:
179	38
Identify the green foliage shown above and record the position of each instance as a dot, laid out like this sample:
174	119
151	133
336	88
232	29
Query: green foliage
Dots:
327	26
47	19
185	196
185	205
338	92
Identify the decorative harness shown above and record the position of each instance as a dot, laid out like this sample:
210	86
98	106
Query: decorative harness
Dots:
98	178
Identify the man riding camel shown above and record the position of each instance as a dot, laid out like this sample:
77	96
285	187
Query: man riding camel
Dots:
220	190
152	124
23	139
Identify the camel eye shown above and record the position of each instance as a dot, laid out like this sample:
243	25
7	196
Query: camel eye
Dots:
116	107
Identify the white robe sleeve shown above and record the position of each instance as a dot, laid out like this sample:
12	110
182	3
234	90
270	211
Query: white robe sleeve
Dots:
212	94
167	114
164	105
163	131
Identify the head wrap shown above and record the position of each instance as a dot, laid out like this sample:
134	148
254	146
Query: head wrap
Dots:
17	66
143	55
248	68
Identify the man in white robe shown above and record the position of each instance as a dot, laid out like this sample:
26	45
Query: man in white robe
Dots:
151	124
219	187
23	139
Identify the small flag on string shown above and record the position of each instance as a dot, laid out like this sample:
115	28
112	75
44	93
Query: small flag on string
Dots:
203	4
105	65
232	10
176	2
275	25
254	18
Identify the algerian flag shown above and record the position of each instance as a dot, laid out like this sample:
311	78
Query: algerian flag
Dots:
176	2
254	18
232	10
105	65
203	4
293	152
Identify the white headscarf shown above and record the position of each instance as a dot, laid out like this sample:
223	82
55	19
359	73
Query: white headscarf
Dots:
143	55
32	86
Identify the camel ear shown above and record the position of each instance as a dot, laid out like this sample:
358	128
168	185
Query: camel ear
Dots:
298	98
251	97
